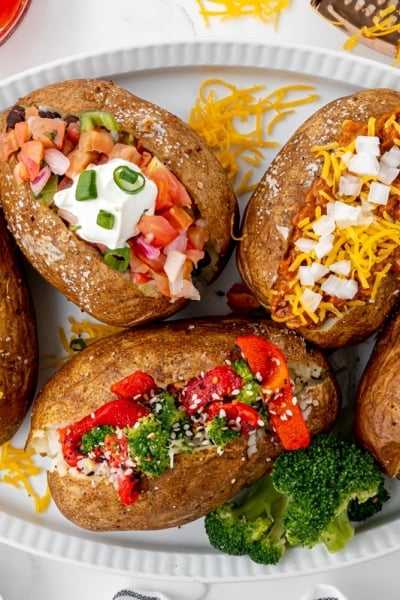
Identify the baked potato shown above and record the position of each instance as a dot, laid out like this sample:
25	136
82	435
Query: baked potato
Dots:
116	202
18	339
320	236
218	432
377	411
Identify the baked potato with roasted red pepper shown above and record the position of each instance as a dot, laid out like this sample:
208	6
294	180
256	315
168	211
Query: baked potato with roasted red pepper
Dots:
115	201
18	339
154	427
319	246
377	413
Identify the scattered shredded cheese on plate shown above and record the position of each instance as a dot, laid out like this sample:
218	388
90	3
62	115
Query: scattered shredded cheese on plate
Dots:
238	123
17	467
267	11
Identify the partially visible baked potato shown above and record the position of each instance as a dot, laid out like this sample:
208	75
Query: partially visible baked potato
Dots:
176	354
377	416
319	244
18	339
163	220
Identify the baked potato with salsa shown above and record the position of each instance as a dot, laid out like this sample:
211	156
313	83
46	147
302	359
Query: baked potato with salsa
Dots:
320	238
18	338
116	202
154	427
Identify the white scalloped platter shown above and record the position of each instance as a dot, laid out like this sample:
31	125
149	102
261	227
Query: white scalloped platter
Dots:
170	75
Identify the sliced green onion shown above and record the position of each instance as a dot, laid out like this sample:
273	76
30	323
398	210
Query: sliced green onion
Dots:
86	188
105	219
77	344
97	118
117	259
129	180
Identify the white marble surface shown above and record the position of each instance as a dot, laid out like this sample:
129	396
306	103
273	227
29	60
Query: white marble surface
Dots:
54	29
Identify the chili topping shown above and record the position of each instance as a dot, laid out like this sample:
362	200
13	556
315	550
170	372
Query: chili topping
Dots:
345	237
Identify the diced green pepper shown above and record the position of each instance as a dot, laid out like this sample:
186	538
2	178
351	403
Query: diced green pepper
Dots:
86	188
97	118
117	259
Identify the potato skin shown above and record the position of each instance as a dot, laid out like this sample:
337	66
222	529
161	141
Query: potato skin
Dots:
275	202
197	483
72	266
18	339
377	415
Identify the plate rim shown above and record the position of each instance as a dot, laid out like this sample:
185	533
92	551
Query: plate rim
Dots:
212	566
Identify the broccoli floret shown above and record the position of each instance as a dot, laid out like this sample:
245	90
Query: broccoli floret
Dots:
168	414
148	446
250	525
360	511
250	391
320	481
95	437
219	433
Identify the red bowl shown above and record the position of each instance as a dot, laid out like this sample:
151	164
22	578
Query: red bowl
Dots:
11	14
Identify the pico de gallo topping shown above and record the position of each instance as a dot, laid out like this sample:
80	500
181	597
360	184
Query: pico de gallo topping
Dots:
346	234
112	193
143	426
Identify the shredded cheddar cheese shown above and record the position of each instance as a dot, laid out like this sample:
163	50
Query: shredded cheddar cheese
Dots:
17	468
359	237
385	23
267	11
237	123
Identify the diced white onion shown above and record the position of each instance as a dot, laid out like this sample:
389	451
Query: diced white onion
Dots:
324	226
305	275
392	157
387	174
370	144
341	267
364	164
346	215
345	158
349	185
378	193
318	270
311	300
305	244
284	231
345	289
324	246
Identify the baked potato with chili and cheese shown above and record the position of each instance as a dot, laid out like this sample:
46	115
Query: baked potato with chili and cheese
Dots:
115	201
377	412
18	339
154	427
320	238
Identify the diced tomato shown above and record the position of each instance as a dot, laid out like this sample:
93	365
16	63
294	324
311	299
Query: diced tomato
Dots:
149	255
198	236
79	160
96	140
48	131
162	283
171	192
8	144
32	154
178	217
22	132
244	417
126	152
128	488
157	230
21	173
31	111
72	132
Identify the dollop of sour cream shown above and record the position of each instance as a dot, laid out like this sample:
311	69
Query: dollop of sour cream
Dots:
126	208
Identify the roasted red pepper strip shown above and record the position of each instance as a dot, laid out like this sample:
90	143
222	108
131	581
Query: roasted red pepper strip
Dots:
214	385
245	418
134	385
116	413
268	363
